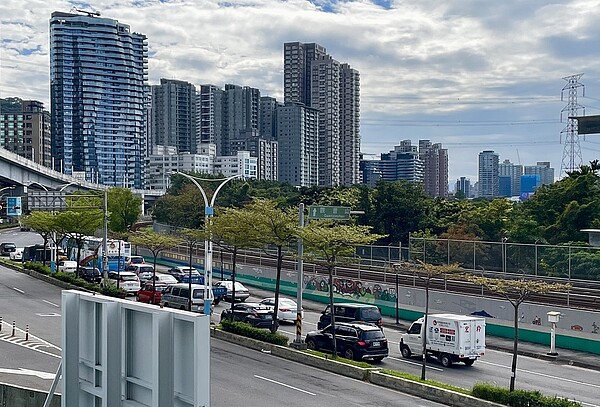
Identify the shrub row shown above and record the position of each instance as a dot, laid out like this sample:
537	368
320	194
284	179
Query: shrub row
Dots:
109	289
519	398
247	330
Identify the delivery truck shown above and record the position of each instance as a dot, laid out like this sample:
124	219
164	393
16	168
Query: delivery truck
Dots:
450	338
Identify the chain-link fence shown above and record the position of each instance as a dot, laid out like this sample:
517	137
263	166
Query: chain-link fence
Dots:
564	261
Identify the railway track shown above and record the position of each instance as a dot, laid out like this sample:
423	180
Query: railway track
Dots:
584	294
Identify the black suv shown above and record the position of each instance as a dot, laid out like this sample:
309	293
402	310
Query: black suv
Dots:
350	312
353	341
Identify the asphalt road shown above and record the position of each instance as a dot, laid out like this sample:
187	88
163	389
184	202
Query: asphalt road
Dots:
30	301
242	377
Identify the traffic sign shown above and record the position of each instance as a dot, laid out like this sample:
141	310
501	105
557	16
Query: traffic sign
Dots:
13	206
329	212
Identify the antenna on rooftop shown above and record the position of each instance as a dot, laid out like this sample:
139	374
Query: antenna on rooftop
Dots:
89	13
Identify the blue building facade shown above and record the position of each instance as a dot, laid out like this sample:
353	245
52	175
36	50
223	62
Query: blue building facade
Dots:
529	183
98	72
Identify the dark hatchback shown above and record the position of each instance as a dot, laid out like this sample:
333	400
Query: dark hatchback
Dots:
90	274
257	315
354	341
7	248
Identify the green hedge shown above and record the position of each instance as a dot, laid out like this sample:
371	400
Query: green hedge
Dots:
247	330
519	398
110	289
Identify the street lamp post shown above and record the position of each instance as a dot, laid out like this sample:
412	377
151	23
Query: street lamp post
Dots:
208	245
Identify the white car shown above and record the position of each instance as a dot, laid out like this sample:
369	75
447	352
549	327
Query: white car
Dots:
164	278
143	271
241	292
128	281
67	266
287	308
17	255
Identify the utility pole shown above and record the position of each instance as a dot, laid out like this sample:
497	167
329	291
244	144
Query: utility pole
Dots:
105	242
298	343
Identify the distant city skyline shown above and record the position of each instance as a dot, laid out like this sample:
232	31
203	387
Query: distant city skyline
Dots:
470	78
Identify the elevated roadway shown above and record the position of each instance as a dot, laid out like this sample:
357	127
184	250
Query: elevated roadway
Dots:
20	172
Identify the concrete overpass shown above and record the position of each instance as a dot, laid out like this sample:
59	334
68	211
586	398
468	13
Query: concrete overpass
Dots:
22	173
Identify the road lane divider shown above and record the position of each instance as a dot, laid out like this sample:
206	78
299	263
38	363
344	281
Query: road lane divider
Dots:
51	303
415	363
284	385
18	290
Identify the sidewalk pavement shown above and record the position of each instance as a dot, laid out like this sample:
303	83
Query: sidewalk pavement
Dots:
564	357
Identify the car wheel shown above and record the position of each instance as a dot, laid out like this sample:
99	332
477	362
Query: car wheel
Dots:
217	301
182	307
405	350
469	362
165	305
311	344
349	353
445	360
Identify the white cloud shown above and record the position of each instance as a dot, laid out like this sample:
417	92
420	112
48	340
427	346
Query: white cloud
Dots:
473	75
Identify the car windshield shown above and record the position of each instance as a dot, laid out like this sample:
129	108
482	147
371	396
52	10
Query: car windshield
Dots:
239	286
370	335
198	293
370	314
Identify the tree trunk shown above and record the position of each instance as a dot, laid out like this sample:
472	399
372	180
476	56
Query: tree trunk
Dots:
79	244
275	324
513	369
424	333
44	255
332	311
153	278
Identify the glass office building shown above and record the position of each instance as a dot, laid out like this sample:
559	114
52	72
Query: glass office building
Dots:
98	70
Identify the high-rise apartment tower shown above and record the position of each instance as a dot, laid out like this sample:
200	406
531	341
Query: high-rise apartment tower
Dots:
313	78
98	69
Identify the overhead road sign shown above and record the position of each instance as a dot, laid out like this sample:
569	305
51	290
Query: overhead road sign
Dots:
329	212
588	124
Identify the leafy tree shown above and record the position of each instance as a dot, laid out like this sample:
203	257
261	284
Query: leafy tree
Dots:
233	229
184	210
516	292
427	272
156	243
124	209
43	223
398	208
78	224
562	209
492	218
274	227
191	237
329	244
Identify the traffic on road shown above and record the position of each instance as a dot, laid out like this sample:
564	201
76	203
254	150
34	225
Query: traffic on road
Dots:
37	304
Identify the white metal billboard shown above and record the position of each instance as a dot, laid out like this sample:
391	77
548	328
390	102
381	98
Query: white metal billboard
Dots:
123	353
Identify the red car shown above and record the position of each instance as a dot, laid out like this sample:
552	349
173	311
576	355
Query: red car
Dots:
146	293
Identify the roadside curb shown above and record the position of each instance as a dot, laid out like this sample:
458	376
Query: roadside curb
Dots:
50	280
371	375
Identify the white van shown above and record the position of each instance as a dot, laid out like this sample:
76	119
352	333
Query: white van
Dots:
67	266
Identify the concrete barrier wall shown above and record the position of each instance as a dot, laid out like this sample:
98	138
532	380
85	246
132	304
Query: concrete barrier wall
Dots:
14	396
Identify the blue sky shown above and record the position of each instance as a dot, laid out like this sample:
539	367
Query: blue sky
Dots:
473	75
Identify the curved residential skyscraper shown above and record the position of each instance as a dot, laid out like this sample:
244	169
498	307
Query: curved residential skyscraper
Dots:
98	69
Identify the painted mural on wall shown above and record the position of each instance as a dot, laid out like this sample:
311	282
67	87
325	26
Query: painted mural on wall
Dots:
352	289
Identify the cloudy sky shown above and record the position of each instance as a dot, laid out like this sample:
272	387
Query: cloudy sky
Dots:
473	75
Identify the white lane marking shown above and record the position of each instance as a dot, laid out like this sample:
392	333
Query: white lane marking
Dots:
415	363
564	379
41	375
284	385
51	303
48	315
16	289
